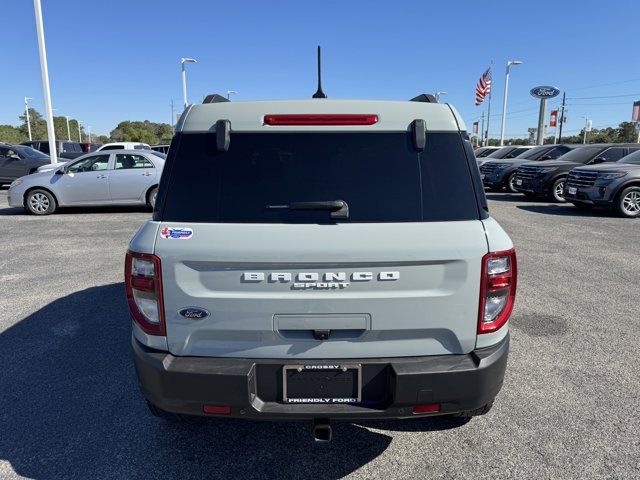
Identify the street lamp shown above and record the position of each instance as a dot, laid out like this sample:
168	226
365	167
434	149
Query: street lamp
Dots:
230	92
26	110
89	133
79	132
184	79
504	100
68	129
438	94
587	128
44	69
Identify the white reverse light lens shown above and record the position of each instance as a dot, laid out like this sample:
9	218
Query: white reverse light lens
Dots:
143	268
498	265
147	306
493	306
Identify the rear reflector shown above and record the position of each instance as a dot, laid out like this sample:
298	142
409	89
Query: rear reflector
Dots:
430	408
216	409
321	119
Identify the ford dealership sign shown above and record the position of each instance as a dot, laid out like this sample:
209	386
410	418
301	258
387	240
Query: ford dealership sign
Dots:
544	92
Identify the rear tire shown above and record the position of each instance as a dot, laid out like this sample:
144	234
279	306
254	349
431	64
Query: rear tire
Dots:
628	203
511	183
151	197
168	416
40	202
556	194
474	413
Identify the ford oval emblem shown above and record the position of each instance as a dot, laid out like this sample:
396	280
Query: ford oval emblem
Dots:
544	92
194	313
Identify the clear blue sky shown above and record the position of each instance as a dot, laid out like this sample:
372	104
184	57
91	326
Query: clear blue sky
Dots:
117	60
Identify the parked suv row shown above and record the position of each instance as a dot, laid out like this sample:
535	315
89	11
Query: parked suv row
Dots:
498	174
610	185
548	178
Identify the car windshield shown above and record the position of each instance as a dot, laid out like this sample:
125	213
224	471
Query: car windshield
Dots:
534	153
633	159
500	153
31	152
159	154
581	154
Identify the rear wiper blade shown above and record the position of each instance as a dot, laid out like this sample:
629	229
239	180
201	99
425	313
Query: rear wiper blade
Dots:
339	208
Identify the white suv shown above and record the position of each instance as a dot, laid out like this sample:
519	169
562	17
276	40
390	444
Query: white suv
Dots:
124	146
320	259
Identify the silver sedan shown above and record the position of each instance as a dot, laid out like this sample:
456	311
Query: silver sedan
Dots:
122	177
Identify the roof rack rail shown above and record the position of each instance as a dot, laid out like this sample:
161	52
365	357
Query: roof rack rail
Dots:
215	98
424	97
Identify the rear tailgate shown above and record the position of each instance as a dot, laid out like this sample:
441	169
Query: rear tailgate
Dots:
401	289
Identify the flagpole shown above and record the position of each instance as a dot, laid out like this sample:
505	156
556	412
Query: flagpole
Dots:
482	131
489	105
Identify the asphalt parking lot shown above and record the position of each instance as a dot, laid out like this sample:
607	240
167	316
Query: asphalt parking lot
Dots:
70	408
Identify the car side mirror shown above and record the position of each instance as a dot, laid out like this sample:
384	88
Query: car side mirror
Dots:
598	160
60	171
546	157
14	156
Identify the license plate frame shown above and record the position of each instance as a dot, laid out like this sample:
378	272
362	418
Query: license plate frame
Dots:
317	370
572	190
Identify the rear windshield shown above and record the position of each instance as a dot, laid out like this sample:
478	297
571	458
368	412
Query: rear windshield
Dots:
380	177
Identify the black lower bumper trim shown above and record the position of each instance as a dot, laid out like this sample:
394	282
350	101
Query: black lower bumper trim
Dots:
252	388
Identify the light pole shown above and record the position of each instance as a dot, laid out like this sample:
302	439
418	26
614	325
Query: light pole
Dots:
45	82
438	94
89	133
68	129
229	93
184	79
587	125
79	132
26	111
504	99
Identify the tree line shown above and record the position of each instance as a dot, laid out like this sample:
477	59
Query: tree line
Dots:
126	131
624	133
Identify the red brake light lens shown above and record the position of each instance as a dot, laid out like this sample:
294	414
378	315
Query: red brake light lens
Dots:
143	283
321	119
497	290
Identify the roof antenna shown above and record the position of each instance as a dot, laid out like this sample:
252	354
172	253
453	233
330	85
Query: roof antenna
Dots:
319	93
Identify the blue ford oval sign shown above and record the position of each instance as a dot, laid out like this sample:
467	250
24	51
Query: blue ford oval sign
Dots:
194	313
544	92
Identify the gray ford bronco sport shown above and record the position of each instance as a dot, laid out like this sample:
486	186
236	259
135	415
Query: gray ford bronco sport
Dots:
320	259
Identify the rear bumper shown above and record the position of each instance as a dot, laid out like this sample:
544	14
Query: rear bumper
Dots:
252	388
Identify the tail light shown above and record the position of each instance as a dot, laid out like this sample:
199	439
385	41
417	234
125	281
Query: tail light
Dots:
497	290
143	281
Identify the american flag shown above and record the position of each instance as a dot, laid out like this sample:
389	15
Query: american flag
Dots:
484	86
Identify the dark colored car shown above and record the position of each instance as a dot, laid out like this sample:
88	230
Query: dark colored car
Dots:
90	147
160	148
511	151
482	152
498	174
64	148
548	179
611	185
19	160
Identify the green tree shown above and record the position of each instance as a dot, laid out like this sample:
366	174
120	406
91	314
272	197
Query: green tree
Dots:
11	134
145	131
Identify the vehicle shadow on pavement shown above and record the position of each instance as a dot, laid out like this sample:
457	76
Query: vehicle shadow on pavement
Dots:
564	210
511	197
70	408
